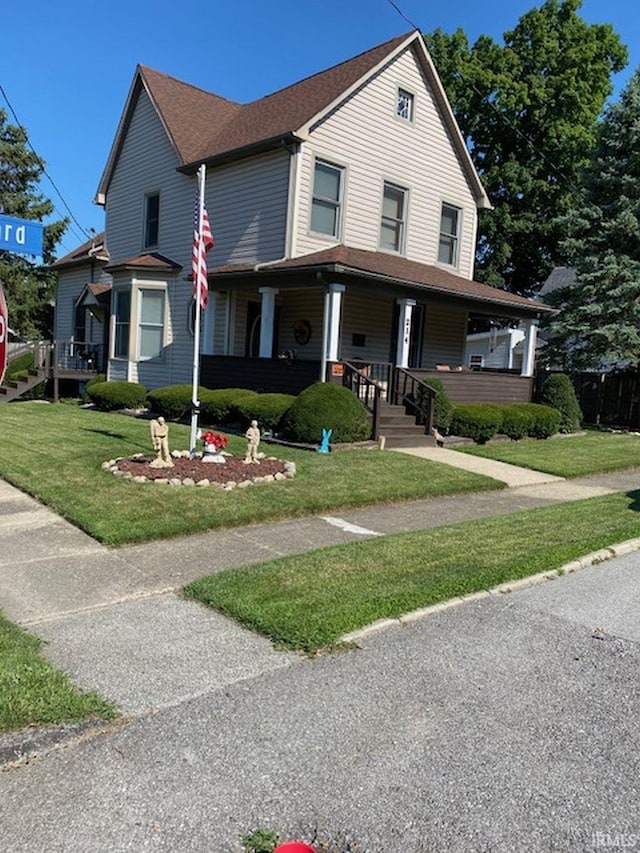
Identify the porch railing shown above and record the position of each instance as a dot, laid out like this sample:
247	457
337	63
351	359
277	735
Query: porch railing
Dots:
414	394
77	357
370	382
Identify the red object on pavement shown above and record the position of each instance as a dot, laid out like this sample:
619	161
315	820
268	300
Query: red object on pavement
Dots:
294	847
4	334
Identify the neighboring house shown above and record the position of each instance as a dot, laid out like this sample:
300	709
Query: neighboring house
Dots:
496	349
344	210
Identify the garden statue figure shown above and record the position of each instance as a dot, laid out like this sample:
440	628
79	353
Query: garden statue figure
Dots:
160	441
253	440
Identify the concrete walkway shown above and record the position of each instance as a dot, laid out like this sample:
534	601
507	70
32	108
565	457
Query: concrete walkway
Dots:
113	620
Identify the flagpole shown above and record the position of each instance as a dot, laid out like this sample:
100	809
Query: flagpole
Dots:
195	402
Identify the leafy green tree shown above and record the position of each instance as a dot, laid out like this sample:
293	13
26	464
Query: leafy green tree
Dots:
529	110
29	287
599	316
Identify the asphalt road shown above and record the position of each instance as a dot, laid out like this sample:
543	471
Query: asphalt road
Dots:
507	724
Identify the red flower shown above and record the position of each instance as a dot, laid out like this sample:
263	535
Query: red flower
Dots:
214	438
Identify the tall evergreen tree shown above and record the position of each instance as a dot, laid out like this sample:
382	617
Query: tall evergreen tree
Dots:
599	316
28	287
528	110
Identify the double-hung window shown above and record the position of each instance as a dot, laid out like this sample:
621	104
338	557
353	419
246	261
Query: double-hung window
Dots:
448	248
151	220
393	221
326	205
122	319
150	323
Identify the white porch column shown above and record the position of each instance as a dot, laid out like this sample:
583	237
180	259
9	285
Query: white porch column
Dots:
529	347
405	316
331	326
267	320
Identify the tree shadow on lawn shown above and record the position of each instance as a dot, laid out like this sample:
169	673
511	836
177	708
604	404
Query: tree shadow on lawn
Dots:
635	500
119	436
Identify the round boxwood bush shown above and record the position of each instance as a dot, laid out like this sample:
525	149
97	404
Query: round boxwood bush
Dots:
267	409
99	377
327	406
559	393
518	420
221	405
479	421
546	420
109	396
173	401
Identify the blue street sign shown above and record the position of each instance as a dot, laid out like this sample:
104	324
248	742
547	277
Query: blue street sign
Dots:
22	236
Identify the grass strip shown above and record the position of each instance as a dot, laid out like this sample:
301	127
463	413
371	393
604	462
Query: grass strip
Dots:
307	602
566	456
32	692
54	452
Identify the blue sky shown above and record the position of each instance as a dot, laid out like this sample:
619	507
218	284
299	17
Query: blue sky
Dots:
66	67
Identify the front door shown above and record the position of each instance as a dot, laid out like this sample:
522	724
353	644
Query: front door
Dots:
252	336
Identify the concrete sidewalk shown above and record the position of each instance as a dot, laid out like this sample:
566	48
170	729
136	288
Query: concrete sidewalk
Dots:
113	620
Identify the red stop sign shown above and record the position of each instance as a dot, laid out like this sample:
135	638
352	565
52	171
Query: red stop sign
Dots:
4	334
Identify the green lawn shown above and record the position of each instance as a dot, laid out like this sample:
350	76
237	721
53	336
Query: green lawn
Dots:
567	456
32	692
308	601
54	452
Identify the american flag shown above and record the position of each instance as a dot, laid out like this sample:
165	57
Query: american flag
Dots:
202	243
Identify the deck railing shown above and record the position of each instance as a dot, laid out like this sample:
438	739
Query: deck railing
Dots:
370	382
414	394
77	357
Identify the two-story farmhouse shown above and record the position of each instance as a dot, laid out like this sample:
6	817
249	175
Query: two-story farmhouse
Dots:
344	211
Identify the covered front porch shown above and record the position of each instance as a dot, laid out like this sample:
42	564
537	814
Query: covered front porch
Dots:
281	326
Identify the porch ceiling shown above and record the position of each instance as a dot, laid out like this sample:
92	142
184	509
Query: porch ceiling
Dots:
340	263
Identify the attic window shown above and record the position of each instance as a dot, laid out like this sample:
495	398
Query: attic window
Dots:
151	220
404	105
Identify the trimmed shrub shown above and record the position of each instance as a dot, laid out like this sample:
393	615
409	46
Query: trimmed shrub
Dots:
173	402
442	407
518	420
267	409
221	406
99	377
559	393
546	420
109	396
327	406
479	421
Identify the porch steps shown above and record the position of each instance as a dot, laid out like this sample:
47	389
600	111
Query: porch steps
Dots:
15	388
400	429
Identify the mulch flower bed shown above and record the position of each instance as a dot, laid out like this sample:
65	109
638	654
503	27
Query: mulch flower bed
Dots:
194	472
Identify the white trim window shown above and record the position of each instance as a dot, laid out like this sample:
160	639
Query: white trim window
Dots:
393	220
150	323
151	221
404	104
448	249
326	204
121	322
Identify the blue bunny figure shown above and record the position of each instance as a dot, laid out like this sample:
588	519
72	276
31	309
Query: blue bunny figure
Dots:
326	436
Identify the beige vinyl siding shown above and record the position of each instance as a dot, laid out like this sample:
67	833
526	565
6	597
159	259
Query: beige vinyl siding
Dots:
246	203
444	336
375	146
307	304
370	317
71	283
247	206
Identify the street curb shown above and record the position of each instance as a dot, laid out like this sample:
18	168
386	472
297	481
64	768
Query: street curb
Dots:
622	548
25	745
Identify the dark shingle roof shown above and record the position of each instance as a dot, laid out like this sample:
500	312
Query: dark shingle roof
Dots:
559	278
384	266
92	249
